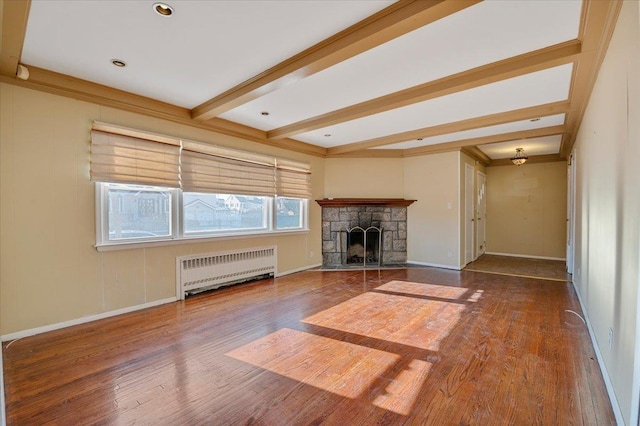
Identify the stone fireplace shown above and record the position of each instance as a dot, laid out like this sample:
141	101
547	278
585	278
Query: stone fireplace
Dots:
364	232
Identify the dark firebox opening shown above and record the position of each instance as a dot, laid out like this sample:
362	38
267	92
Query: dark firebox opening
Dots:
363	246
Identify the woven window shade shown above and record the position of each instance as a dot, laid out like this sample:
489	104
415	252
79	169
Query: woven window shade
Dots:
213	169
124	155
125	159
293	179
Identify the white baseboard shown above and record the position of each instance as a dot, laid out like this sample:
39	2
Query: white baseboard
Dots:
526	256
603	369
434	265
293	271
83	320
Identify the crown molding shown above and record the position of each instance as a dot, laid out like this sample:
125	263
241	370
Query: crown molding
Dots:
596	29
83	90
533	159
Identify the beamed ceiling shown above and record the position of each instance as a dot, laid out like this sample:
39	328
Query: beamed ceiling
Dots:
349	78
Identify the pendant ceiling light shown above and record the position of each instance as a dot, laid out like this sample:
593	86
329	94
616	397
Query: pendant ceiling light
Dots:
520	157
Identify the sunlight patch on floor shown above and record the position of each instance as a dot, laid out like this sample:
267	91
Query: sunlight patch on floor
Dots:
406	320
397	312
346	369
402	391
339	367
420	289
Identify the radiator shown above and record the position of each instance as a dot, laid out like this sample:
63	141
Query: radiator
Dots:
208	271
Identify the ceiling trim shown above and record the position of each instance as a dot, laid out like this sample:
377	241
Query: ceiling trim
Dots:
596	29
452	146
371	153
477	154
15	15
387	24
533	159
485	140
75	88
458	126
538	60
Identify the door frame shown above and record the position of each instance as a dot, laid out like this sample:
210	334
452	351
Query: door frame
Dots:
571	213
481	219
469	213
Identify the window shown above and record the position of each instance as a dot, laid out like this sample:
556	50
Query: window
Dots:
223	212
289	213
152	187
138	213
135	211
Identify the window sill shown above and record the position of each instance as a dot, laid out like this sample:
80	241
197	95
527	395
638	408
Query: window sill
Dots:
128	245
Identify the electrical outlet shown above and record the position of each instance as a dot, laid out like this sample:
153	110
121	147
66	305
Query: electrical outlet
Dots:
311	253
610	337
450	254
449	206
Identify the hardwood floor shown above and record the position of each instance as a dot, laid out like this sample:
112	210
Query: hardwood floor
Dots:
521	266
412	346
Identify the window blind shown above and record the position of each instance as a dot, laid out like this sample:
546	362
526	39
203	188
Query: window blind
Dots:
214	169
293	179
124	156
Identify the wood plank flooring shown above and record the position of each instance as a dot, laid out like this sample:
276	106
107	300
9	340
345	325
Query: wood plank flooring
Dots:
520	266
408	346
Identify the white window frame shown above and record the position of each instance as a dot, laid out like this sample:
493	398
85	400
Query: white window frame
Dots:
102	215
304	212
178	235
267	214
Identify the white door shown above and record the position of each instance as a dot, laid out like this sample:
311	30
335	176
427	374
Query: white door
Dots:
468	213
481	220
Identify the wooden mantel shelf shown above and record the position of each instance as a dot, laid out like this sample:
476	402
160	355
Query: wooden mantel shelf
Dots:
346	202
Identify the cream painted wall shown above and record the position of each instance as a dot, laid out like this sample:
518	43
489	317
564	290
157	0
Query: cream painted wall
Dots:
433	221
363	177
432	180
49	270
607	210
527	209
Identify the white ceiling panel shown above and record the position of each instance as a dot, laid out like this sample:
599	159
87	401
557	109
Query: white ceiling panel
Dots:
538	88
205	48
536	146
465	40
516	126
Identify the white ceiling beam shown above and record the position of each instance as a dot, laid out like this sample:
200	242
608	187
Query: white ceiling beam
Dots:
396	20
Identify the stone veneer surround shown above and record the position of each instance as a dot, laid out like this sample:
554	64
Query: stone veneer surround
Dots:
340	215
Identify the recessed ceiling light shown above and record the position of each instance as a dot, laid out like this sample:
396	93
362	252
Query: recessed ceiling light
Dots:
535	119
119	63
163	9
264	113
326	135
